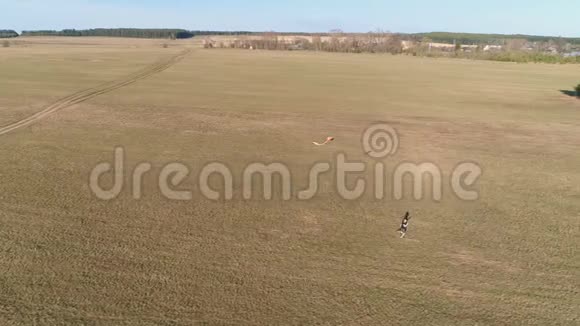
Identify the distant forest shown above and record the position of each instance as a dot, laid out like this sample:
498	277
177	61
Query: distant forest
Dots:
439	37
497	39
140	33
7	33
131	32
115	32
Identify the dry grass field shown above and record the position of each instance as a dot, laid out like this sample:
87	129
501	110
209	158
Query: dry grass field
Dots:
509	258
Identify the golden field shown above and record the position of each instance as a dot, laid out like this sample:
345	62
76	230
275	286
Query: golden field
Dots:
509	258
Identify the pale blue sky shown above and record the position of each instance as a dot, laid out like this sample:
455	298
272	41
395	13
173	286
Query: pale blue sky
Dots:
555	17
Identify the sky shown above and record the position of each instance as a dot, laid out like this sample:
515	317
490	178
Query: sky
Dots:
542	17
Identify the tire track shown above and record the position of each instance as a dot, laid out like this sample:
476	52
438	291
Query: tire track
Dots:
90	93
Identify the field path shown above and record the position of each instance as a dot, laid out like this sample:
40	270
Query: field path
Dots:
90	93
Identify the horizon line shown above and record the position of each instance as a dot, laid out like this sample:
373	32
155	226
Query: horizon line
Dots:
297	32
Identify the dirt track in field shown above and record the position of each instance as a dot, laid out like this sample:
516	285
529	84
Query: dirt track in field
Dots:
90	93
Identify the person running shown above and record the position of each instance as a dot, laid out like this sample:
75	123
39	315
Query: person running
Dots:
404	225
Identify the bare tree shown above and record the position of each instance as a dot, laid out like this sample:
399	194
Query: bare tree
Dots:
515	44
559	44
317	43
336	36
394	44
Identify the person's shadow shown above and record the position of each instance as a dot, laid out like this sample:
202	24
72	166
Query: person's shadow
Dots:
570	93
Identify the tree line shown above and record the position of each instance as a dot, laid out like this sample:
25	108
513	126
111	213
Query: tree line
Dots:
115	32
497	39
140	33
440	37
8	33
512	50
134	33
336	41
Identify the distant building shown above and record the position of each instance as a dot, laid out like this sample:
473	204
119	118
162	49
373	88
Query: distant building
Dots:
572	54
406	45
492	48
451	47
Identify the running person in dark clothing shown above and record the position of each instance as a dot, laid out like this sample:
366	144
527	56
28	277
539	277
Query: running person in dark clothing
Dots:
404	225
